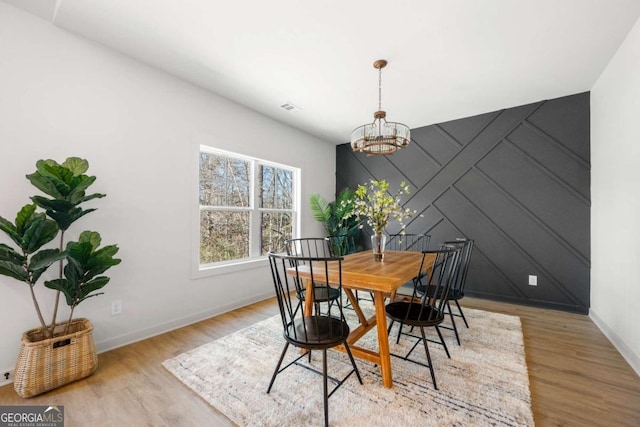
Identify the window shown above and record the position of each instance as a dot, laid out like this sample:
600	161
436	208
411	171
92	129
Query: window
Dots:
247	206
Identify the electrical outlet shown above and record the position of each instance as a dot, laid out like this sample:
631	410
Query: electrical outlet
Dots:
7	377
533	280
116	307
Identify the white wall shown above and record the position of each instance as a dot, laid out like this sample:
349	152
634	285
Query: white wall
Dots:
139	128
615	195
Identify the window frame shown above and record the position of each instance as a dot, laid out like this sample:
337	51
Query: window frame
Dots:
255	259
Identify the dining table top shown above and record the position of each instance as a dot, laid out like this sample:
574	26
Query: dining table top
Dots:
361	272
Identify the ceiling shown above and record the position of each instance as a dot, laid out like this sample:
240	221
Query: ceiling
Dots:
448	59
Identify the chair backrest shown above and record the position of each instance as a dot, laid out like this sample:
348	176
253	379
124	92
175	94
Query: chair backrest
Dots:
328	318
466	246
309	247
342	245
431	291
408	242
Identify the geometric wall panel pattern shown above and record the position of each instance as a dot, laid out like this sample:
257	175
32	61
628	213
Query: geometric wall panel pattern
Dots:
517	181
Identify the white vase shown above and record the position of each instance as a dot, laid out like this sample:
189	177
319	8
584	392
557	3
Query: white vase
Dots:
378	242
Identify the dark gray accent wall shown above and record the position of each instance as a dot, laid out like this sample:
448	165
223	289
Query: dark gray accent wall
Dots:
517	181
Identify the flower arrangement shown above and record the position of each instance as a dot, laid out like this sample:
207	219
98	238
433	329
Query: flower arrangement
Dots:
378	206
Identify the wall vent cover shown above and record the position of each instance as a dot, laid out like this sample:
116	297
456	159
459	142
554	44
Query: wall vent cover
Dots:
289	107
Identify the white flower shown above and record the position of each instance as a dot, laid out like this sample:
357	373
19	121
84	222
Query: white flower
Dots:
378	207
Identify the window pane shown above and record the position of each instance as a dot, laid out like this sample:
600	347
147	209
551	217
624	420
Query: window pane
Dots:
276	188
276	228
224	181
224	236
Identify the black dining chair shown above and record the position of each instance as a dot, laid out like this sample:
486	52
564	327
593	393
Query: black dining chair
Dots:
427	308
325	329
456	292
408	242
312	247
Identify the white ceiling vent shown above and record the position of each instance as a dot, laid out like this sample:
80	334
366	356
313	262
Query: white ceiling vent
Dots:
289	107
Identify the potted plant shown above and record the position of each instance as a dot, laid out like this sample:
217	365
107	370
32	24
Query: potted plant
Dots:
56	353
376	206
341	228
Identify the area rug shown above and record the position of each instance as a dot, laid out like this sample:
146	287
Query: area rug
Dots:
484	383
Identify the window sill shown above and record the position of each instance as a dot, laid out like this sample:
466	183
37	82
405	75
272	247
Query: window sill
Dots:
215	270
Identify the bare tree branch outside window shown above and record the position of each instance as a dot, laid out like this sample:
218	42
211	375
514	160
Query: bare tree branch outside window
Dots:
226	213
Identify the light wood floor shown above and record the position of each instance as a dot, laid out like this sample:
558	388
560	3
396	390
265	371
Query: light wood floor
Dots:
577	377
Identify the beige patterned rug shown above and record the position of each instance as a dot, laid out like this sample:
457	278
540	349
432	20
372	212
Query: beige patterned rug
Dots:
484	383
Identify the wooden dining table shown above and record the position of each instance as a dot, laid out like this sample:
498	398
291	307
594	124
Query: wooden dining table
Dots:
360	272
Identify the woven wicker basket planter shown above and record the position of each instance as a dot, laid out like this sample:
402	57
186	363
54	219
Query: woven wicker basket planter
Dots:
45	364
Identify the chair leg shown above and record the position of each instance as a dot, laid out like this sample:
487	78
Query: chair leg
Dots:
275	373
453	322
399	330
461	313
426	349
353	362
324	385
444	344
399	333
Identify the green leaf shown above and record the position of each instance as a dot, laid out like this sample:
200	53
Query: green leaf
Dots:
101	261
44	184
92	237
23	216
73	271
319	207
58	175
11	231
64	286
40	164
65	219
92	286
90	197
344	203
76	165
80	252
9	254
12	269
78	186
44	258
58	205
39	232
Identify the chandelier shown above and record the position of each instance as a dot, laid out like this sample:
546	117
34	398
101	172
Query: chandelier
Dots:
380	136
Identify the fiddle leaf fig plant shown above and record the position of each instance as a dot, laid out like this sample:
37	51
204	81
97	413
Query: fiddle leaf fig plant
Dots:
86	261
81	263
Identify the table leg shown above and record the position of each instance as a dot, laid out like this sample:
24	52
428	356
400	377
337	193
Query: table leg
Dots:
308	305
383	339
308	298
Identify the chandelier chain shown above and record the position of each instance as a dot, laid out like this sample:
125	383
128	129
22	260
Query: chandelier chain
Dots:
380	89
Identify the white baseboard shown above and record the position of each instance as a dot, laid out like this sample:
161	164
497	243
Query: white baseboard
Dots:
632	359
142	334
